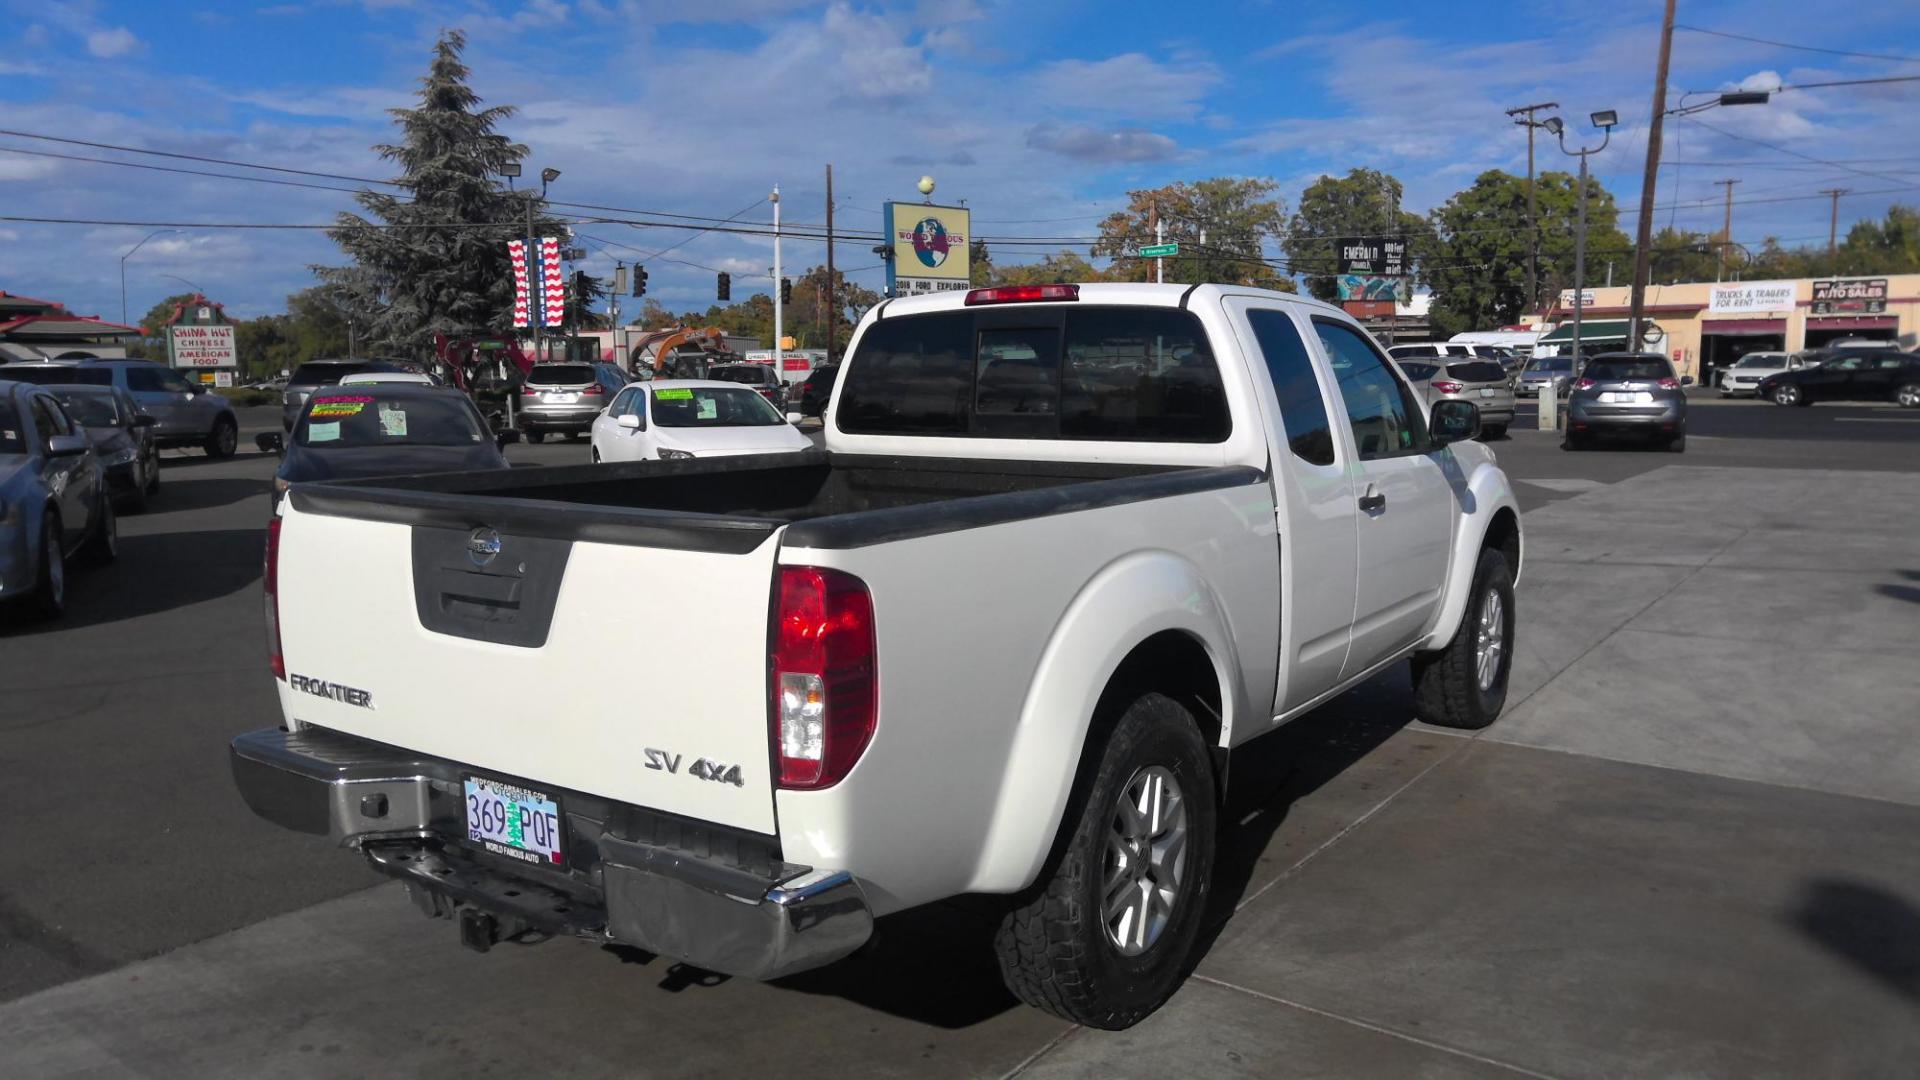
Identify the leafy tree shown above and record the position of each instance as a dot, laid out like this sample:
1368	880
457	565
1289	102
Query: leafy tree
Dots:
1677	255
434	261
654	315
153	339
1362	203
806	319
1064	268
980	264
1475	257
1239	215
580	312
1889	246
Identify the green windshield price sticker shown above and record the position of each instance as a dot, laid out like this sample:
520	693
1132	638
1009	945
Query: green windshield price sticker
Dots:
681	394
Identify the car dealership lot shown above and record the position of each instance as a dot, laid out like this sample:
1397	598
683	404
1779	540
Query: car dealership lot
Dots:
1690	846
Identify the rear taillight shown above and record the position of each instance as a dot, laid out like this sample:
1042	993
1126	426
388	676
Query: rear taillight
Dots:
1584	384
270	578
1446	387
529	390
1022	294
1669	384
825	679
594	389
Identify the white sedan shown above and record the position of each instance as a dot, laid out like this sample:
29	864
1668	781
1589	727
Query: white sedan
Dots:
683	418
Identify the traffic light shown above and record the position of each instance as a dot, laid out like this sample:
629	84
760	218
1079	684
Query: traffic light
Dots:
786	290
726	286
639	280
580	286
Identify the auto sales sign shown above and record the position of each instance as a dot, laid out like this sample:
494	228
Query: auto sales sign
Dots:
202	347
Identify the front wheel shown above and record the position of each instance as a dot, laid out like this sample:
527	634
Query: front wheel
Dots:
1788	394
1464	685
1105	936
223	439
49	597
104	546
1908	395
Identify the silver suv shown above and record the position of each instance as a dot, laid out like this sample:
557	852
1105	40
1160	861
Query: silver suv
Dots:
1629	394
564	397
184	413
1483	382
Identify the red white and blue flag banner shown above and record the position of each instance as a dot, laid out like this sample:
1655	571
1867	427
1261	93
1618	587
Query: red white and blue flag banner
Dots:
522	313
553	285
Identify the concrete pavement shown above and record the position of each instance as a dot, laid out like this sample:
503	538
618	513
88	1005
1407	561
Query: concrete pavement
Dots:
1690	848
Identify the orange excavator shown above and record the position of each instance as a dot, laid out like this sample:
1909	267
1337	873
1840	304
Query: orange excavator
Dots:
679	352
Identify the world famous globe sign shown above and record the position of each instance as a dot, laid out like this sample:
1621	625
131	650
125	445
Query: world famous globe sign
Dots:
930	243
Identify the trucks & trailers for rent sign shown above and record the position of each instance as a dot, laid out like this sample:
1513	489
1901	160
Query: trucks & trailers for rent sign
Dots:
202	347
1752	296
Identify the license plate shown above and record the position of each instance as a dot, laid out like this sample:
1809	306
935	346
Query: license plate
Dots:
559	399
1486	393
515	822
1625	397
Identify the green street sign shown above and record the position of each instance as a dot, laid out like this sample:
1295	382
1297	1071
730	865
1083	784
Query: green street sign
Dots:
1156	251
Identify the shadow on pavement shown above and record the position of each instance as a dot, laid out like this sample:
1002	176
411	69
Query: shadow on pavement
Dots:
1871	928
157	573
181	495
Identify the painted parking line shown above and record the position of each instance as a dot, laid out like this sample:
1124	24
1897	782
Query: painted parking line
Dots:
1877	419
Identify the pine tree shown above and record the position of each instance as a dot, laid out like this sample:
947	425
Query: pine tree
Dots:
434	261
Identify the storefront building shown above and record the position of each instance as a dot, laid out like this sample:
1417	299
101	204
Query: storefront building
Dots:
1706	325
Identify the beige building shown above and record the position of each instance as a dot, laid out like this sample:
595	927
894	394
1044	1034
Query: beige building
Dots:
1708	325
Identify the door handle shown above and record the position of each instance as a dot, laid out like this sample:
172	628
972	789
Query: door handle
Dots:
1373	501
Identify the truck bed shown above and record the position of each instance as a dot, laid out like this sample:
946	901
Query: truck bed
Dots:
732	504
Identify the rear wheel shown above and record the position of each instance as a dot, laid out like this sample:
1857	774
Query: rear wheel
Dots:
1105	936
1908	395
1493	431
224	437
1464	685
1677	444
1788	394
536	437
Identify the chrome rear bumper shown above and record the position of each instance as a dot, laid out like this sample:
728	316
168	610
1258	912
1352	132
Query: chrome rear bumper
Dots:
404	812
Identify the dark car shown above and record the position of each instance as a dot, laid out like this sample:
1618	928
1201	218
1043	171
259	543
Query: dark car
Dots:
185	414
764	380
1634	394
122	437
314	374
818	389
384	429
1849	375
53	500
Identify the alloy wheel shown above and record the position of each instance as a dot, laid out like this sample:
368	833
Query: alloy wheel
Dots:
1146	860
1490	645
1786	395
1910	396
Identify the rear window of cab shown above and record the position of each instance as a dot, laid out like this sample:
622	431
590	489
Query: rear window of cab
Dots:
1122	374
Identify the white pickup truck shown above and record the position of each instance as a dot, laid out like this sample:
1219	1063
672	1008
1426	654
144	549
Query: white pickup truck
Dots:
1066	548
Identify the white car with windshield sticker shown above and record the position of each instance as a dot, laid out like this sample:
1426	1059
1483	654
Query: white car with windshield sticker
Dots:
686	418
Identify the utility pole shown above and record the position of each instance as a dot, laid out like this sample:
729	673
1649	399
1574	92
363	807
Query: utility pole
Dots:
1726	230
1648	182
829	303
1533	228
779	326
1833	231
1159	274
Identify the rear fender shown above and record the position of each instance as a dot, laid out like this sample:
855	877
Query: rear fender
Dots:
1127	602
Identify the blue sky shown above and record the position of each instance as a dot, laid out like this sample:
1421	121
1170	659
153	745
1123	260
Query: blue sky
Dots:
1040	114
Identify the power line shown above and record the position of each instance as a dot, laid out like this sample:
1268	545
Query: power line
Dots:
1851	82
1794	153
1802	48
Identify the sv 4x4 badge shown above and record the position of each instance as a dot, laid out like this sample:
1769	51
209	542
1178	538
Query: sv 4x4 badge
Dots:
701	769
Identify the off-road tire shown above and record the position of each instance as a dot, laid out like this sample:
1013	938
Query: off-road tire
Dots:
1446	683
1053	945
223	439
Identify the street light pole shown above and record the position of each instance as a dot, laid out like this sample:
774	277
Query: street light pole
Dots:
779	326
1533	227
1604	120
123	269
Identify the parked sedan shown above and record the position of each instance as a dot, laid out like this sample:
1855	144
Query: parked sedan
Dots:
1747	373
1540	372
53	500
385	429
1628	394
122	436
309	377
684	418
1483	382
1849	376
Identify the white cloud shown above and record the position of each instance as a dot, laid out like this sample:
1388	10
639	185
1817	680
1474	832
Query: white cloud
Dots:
1132	85
1088	143
112	42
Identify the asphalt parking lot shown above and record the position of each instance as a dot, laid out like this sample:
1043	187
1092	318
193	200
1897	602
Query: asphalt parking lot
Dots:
1691	847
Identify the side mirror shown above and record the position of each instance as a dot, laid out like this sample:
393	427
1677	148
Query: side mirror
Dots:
271	442
1686	380
506	438
66	445
630	421
1453	421
794	417
144	420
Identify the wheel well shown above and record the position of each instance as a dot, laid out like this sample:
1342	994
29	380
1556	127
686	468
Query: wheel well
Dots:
1503	533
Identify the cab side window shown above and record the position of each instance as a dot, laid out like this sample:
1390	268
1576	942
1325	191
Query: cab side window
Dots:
1380	409
144	380
1303	411
49	421
172	383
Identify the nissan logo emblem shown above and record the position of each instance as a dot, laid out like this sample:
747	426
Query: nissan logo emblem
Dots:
483	546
